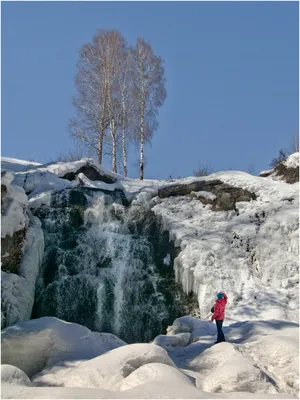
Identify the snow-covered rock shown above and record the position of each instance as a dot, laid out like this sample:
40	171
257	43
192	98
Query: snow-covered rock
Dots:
17	290
155	372
13	375
287	170
14	222
292	161
260	361
259	357
37	344
107	371
167	342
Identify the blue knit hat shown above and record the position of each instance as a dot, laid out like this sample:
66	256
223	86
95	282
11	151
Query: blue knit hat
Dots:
220	295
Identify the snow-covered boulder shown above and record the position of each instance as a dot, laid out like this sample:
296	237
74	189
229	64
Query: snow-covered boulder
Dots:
223	369
13	375
155	372
197	328
170	341
36	344
106	371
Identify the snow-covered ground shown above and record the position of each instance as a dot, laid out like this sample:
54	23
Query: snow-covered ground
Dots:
252	255
49	358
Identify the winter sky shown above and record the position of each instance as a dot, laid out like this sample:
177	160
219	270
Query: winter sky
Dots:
231	69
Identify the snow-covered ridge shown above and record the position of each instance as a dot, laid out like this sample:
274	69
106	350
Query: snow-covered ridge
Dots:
252	254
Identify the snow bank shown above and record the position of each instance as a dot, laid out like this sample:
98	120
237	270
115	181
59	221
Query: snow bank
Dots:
106	371
17	291
37	344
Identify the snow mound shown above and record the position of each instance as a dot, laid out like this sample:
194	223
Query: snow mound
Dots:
13	375
36	344
106	371
167	342
226	370
155	372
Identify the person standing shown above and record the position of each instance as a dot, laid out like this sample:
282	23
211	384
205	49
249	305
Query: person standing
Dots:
219	314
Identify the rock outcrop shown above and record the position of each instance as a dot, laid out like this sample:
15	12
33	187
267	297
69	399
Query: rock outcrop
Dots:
223	197
91	173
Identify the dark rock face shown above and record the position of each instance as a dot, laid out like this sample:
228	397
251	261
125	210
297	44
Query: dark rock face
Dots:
226	196
11	251
91	173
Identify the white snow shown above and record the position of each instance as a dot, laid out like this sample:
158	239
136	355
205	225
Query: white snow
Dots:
14	217
260	361
204	194
292	161
17	291
38	344
15	165
98	185
106	371
14	375
261	356
155	372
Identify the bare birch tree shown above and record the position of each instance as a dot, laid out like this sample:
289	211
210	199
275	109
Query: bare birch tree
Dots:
90	103
125	87
149	92
96	100
119	91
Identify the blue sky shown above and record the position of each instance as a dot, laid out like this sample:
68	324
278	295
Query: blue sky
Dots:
231	70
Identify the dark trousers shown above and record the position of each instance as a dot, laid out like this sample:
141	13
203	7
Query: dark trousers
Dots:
221	337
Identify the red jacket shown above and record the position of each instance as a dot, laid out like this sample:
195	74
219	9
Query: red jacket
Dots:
219	308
